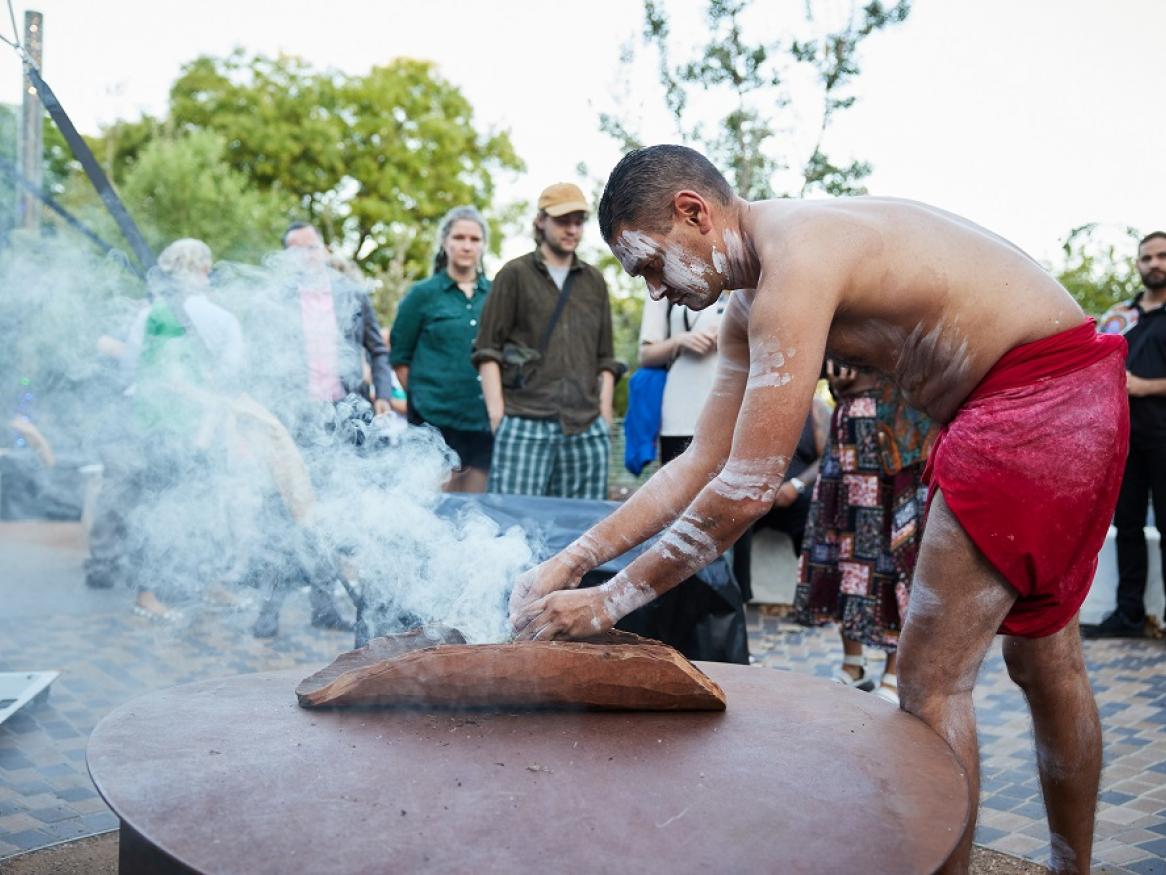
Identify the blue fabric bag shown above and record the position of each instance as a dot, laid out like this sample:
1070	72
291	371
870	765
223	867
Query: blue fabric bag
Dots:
641	425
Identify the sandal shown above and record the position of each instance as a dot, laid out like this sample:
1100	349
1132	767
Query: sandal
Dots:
862	682
889	689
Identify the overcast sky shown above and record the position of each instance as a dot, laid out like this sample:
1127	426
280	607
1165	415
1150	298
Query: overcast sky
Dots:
1028	116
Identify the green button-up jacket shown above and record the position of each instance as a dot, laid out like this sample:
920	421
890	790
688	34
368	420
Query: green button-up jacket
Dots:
433	335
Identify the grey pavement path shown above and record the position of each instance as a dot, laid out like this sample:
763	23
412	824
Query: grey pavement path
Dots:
49	620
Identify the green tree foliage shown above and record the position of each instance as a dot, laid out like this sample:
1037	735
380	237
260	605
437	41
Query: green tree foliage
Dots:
374	159
753	77
184	187
1098	267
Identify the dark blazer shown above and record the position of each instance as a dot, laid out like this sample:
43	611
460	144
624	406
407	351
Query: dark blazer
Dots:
359	329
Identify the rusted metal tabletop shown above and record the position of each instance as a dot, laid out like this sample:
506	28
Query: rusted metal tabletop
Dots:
798	775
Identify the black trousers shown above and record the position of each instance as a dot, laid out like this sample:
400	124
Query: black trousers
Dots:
1144	479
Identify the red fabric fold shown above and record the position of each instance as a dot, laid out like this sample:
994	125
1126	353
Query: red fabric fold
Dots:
1031	465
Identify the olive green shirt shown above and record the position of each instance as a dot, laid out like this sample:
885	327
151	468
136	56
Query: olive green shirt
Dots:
433	336
564	384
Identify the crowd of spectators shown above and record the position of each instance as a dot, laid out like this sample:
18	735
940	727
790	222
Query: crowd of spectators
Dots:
517	375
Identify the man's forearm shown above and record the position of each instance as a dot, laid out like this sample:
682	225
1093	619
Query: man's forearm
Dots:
653	506
402	372
606	393
658	355
714	522
810	475
491	376
1147	386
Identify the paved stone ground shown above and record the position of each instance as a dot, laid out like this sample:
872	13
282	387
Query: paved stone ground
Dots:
1129	679
49	620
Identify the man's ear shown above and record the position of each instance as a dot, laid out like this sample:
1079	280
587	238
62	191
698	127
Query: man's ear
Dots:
690	208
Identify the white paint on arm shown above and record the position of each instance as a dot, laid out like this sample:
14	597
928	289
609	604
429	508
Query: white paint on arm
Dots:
751	479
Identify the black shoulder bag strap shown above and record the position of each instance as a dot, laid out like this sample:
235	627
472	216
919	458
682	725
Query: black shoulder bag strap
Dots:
545	340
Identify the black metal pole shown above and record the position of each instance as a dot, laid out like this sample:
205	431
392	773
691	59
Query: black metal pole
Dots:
92	169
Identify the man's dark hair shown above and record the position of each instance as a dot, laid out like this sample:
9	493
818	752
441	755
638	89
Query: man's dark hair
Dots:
1151	236
639	190
294	226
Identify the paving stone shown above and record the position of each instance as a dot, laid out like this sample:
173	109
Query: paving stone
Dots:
1150	866
1121	815
1123	854
55	814
28	840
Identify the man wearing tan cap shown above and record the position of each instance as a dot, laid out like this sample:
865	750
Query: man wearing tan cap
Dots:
544	353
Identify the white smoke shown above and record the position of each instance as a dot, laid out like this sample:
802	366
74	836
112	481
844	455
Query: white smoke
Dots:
223	498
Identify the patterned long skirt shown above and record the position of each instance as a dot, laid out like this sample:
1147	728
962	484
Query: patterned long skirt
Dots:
863	532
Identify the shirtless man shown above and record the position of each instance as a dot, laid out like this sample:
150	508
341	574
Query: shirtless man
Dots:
1024	477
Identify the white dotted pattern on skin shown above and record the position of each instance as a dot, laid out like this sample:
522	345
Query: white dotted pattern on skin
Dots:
923	602
750	479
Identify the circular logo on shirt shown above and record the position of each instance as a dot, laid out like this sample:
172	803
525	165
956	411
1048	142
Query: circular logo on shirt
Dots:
1118	321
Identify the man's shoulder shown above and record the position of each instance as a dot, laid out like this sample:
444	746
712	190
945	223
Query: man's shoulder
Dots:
589	269
518	270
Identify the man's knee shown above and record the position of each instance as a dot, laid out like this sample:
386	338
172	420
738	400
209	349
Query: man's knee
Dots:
1018	661
927	683
1045	665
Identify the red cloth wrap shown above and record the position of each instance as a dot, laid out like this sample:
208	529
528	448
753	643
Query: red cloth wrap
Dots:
1031	465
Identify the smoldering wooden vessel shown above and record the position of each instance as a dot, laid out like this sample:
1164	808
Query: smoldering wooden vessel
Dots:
435	668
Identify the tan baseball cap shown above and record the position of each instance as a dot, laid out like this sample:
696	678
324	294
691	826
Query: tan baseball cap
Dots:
562	198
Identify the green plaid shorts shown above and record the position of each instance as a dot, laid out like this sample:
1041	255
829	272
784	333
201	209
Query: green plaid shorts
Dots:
534	457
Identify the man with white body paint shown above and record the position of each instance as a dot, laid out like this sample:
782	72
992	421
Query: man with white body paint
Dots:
979	337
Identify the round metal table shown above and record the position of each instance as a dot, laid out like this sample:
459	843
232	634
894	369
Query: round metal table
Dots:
798	775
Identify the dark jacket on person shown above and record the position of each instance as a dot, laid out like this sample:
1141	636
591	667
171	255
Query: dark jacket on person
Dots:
359	329
564	383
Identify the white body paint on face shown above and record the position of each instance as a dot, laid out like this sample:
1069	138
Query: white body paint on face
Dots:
633	247
680	269
684	271
750	479
720	262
